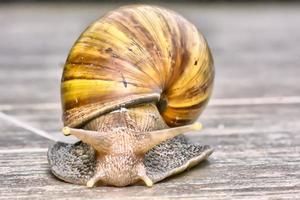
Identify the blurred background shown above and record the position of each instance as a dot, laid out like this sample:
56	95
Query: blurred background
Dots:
249	41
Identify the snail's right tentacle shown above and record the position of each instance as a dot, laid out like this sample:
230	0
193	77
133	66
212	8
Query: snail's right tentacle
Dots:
142	174
154	138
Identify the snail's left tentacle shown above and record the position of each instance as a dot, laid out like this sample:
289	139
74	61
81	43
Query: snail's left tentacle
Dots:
100	141
95	179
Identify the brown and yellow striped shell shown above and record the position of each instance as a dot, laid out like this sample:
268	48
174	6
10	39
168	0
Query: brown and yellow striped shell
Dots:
138	54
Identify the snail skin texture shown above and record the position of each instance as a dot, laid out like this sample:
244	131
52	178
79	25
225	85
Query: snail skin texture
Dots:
134	81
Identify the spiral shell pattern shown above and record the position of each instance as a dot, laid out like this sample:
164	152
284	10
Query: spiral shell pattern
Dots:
138	54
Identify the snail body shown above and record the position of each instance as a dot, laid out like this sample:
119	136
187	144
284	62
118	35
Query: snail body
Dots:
133	82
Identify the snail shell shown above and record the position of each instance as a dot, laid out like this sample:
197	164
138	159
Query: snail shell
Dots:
133	55
157	68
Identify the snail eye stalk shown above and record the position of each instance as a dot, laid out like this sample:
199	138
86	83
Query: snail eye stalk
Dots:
154	138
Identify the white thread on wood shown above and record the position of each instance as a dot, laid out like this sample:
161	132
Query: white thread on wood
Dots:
26	126
29	150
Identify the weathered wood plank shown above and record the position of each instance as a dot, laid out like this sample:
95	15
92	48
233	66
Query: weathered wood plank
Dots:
31	132
45	119
269	173
13	137
251	118
262	162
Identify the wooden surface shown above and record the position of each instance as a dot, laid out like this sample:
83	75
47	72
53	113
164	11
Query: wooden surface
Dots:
252	121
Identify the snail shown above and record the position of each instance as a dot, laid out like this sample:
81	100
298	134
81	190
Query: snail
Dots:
133	83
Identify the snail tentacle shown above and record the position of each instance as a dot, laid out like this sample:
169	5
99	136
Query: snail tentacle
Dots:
142	174
100	141
154	138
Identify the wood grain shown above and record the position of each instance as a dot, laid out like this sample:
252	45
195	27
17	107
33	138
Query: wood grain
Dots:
262	161
13	137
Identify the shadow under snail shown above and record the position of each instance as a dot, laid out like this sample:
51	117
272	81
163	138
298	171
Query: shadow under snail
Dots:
134	81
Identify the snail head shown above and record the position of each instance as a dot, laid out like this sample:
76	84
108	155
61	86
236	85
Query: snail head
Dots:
120	154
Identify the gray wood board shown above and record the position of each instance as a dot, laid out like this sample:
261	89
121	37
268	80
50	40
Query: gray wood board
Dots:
13	137
257	162
242	173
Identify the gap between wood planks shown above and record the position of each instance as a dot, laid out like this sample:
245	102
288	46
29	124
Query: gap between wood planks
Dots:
51	106
212	102
27	150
